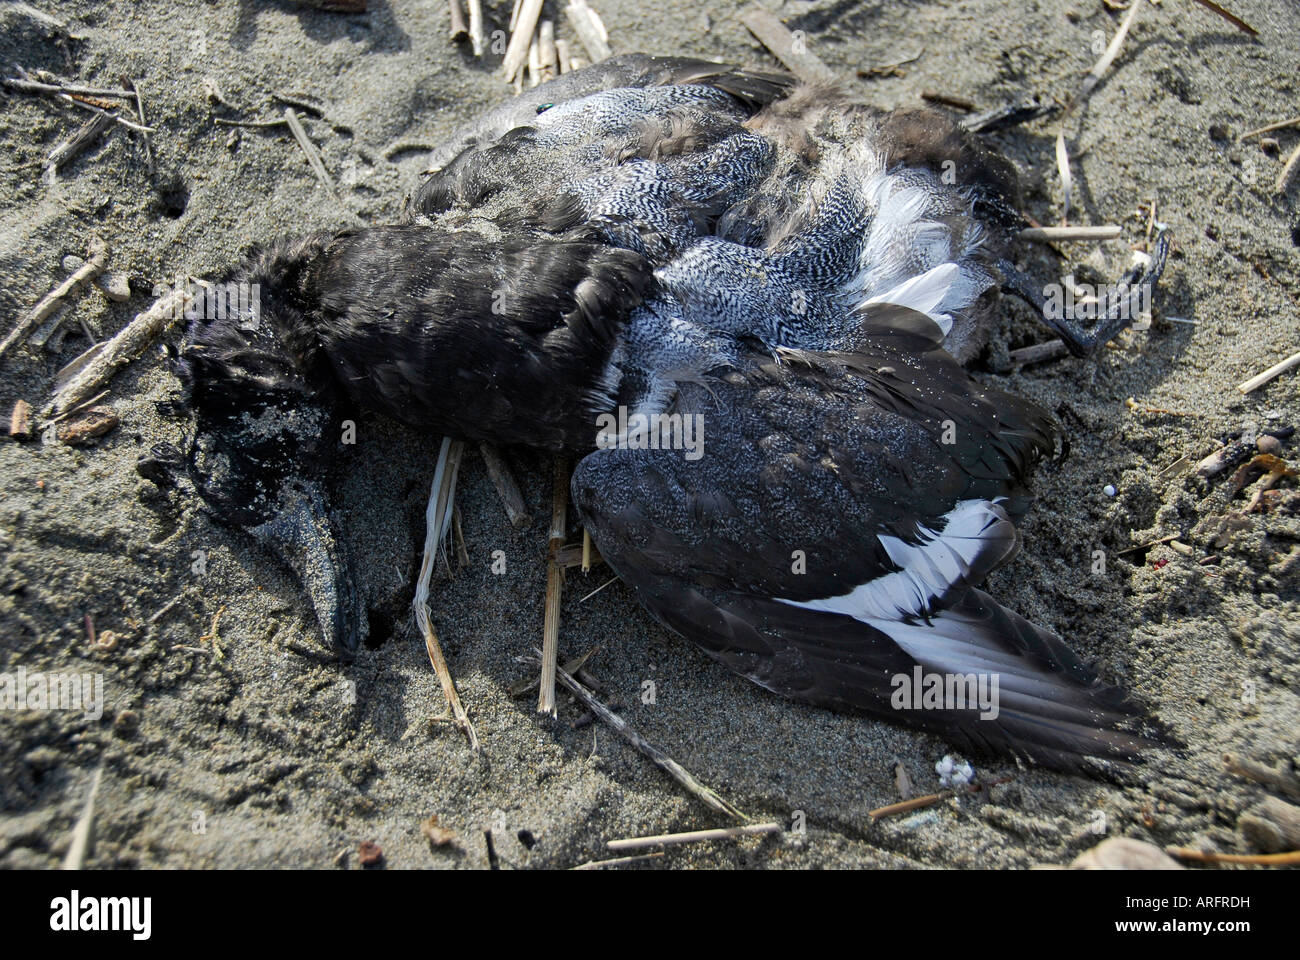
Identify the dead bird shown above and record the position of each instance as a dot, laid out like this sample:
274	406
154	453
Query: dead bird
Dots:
668	242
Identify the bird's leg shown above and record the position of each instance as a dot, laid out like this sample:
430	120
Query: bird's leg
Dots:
1024	110
1115	311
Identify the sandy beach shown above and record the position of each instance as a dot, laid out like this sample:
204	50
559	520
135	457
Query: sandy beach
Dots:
230	737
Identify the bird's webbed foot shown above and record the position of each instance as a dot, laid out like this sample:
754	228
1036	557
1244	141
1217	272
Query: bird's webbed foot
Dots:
1113	312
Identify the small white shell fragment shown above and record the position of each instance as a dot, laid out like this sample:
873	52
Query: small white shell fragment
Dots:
953	771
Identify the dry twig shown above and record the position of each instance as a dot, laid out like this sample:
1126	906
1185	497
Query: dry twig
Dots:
56	299
129	343
554	588
693	836
586	24
1273	372
794	54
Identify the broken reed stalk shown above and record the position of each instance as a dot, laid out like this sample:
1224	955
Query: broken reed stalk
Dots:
259	124
151	159
313	155
1272	373
32	86
546	50
504	481
96	263
462	551
618	861
1067	178
598	589
1054	234
1112	51
1291	858
521	38
114	354
1288	171
1236	21
20	419
1038	352
587	26
1269	128
572	667
534	62
83	835
81	139
693	836
69	94
1277	778
947	100
477	39
796	57
586	551
656	755
458	29
554	588
442	493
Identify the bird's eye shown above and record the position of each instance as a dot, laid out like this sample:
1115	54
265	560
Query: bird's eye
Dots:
543	107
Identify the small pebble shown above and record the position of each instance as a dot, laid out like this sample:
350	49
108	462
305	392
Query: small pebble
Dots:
1109	490
87	426
116	286
1125	853
1270	146
437	835
72	263
369	854
126	723
1267	444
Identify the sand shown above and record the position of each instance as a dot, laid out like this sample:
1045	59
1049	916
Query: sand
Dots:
271	754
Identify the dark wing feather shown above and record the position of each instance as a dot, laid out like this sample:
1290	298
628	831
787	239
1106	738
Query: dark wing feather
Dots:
824	454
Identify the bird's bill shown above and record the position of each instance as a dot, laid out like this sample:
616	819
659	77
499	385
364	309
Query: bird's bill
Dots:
303	534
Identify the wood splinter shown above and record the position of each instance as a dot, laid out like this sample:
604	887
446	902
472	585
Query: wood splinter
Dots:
114	354
521	39
477	39
1272	373
504	482
96	263
782	44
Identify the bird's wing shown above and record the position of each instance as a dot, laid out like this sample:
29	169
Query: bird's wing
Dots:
585	120
751	90
827	541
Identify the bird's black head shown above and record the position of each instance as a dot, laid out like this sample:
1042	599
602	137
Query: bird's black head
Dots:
266	422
